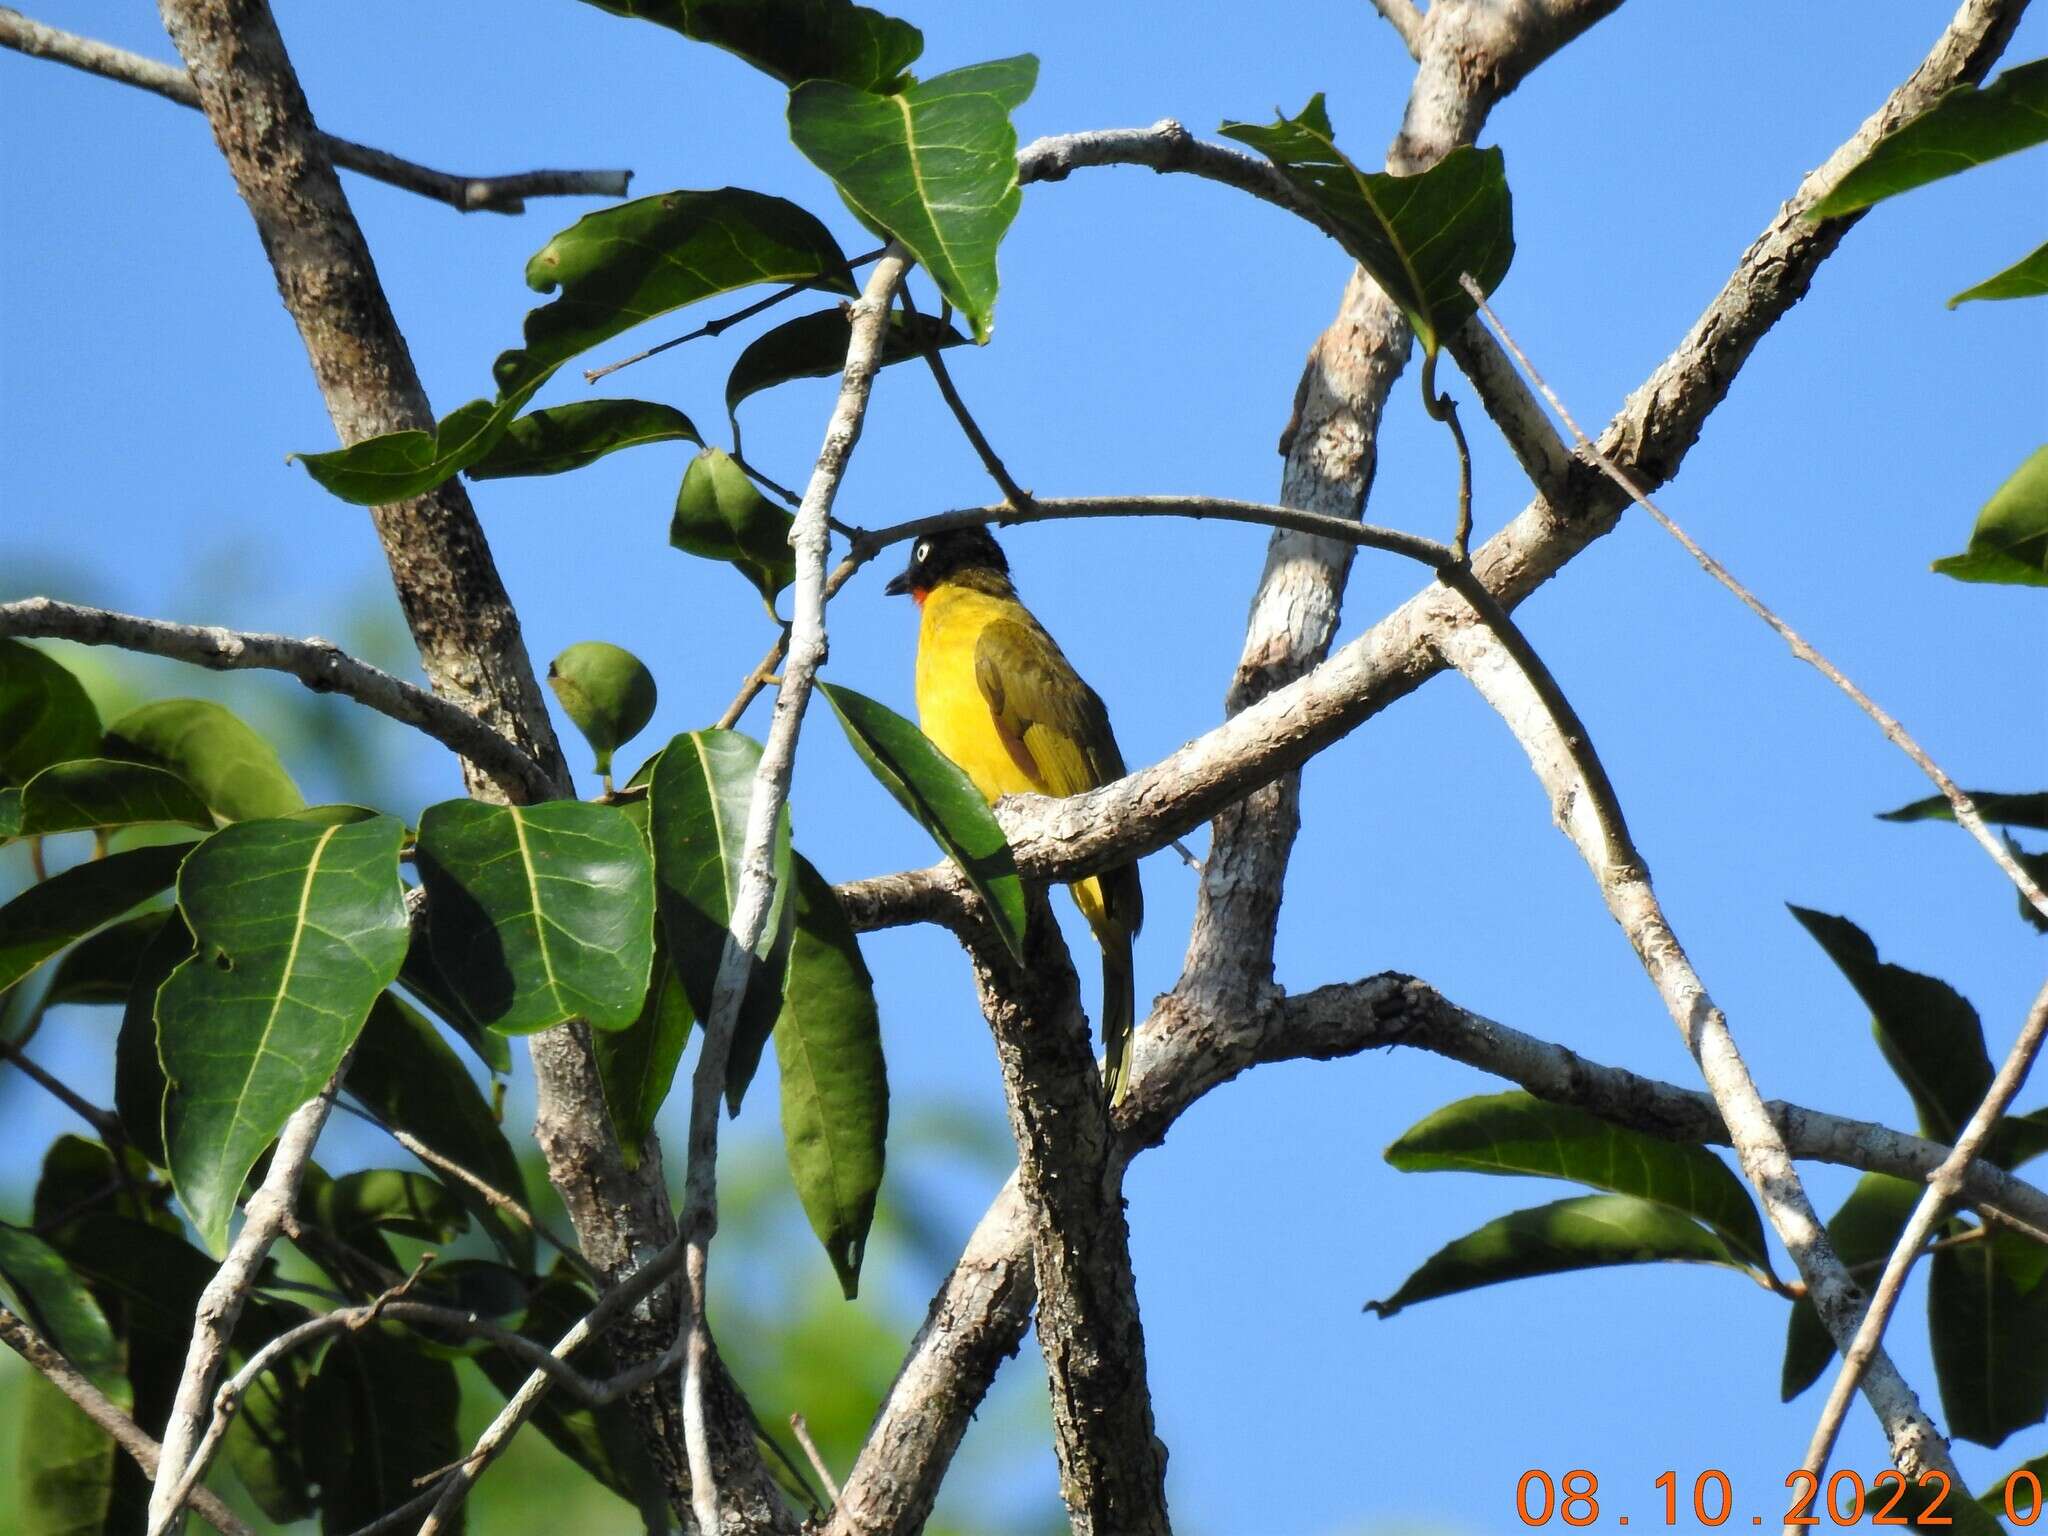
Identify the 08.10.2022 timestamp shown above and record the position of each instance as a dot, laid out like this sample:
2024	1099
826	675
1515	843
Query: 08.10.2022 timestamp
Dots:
1890	1498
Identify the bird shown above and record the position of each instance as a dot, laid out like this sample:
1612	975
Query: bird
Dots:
997	696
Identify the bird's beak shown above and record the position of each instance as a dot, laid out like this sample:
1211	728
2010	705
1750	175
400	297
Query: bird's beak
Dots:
899	586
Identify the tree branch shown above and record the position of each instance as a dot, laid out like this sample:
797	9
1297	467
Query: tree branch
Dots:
1112	1465
105	1413
220	1303
105	1124
811	537
1865	1351
1406	20
1585	808
319	664
465	194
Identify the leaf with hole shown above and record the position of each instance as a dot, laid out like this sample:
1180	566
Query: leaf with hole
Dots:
45	716
929	785
565	437
541	913
1589	1232
814	347
297	929
793	40
235	771
721	516
1416	235
933	166
98	793
835	1084
1968	126
1925	1029
68	906
699	801
2009	544
607	691
1515	1133
2017	810
2026	278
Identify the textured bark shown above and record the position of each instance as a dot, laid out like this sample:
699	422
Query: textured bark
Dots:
1112	1465
462	622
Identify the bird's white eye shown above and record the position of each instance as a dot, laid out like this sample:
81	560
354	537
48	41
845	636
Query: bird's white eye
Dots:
922	553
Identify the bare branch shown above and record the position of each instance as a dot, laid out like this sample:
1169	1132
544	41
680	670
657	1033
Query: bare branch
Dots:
1944	1188
1965	808
802	1431
1585	809
104	1412
465	194
811	537
319	664
106	1125
220	1303
1112	1465
1013	493
1406	20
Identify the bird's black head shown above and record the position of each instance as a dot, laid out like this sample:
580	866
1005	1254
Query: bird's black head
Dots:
941	557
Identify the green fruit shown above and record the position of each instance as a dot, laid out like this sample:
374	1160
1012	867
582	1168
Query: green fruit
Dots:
607	692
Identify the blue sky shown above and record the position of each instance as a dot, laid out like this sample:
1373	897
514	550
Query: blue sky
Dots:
1148	338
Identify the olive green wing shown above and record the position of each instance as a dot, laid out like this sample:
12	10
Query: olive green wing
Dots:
1053	723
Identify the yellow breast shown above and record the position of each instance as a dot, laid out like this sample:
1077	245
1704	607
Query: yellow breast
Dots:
951	707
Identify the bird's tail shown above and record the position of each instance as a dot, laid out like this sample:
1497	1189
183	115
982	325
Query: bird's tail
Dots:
1119	1005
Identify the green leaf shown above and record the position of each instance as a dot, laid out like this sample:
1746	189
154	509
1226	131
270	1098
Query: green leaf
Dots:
1863	1231
138	1070
387	1415
720	516
99	792
835	1086
10	813
102	968
814	347
387	1200
605	1442
298	928
421	977
406	1075
541	913
607	691
1926	1030
1967	127
1987	1311
698	803
793	40
1588	1232
2036	867
67	1463
49	915
565	437
396	466
2024	1497
235	771
615	268
2026	278
1516	1133
934	166
926	783
637	1065
2025	810
45	716
268	1437
2009	545
1414	234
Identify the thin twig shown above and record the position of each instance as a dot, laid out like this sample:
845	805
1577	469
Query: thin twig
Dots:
776	486
725	323
105	1123
319	664
466	194
1405	19
1942	1244
759	678
811	538
1965	808
104	1412
1014	494
1444	409
802	1431
1943	1188
220	1303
